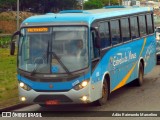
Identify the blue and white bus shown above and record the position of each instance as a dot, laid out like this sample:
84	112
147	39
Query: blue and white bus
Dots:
81	56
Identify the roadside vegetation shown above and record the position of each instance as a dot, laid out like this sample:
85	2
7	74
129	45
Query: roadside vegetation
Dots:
8	21
8	82
8	73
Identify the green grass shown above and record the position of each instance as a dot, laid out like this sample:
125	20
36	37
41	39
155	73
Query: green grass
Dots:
4	41
8	80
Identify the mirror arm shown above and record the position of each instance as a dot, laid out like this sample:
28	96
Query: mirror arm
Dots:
16	33
12	43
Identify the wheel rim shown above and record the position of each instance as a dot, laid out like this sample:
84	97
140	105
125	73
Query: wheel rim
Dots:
104	92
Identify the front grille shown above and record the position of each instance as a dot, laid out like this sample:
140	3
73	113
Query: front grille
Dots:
41	79
44	98
51	90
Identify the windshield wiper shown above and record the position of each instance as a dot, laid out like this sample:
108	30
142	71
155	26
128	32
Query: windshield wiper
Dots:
46	56
57	58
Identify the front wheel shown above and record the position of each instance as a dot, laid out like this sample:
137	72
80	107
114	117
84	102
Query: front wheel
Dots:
139	80
105	94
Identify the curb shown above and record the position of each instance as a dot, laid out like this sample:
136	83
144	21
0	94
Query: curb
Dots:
14	107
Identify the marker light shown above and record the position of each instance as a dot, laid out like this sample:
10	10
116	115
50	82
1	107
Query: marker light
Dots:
24	86
23	99
81	85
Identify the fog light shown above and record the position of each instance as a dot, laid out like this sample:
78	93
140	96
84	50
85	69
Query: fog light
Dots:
23	99
84	98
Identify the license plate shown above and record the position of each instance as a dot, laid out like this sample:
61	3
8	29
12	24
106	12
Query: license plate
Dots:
52	102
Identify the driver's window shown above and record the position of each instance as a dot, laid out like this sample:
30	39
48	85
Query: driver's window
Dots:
26	49
94	49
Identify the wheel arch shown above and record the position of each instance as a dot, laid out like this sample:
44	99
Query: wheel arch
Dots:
141	60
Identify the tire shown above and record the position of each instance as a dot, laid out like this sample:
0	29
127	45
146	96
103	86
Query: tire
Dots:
105	95
139	80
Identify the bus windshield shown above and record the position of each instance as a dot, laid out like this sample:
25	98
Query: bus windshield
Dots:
53	49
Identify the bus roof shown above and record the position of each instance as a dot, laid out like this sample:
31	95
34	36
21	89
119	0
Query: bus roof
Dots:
86	16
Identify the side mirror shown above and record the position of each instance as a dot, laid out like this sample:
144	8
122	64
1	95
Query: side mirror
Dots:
12	44
12	47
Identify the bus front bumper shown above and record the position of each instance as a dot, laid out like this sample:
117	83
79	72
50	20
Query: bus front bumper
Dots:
70	97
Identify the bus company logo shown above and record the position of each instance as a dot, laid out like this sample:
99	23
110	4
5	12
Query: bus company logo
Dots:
50	86
121	58
150	50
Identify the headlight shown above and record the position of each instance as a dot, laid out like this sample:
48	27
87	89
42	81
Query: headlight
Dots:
158	37
24	86
81	85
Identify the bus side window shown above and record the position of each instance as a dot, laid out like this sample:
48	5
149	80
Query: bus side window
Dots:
94	49
104	34
125	29
115	32
142	25
149	24
134	27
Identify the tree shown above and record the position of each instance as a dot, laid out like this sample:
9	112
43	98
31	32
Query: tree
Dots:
111	2
7	4
93	4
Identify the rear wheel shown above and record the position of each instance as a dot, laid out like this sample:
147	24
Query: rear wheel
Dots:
139	80
105	94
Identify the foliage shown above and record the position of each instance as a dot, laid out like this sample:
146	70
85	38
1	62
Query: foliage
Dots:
4	41
38	5
8	81
111	2
1	31
94	4
6	4
44	6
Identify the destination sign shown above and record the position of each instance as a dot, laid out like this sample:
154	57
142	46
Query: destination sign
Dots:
32	30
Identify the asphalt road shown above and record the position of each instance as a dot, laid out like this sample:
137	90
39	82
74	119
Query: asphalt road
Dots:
127	98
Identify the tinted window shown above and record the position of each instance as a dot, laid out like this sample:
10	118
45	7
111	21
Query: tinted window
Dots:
104	34
142	25
94	50
149	24
125	29
158	30
115	31
134	27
